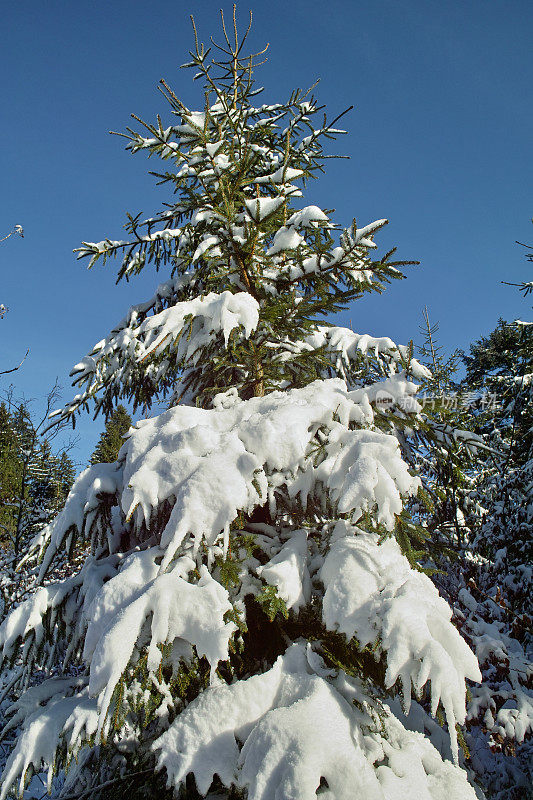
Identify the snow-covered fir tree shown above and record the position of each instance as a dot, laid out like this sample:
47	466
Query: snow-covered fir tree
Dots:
249	621
500	368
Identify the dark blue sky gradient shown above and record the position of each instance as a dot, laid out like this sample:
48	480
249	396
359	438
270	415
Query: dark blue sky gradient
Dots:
440	144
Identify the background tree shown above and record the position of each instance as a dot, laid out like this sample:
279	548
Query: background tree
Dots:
35	480
499	368
117	425
10	471
525	286
488	580
449	465
498	586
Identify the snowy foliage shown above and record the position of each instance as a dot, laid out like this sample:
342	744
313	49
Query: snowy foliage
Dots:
255	451
346	349
179	332
499	728
261	734
372	593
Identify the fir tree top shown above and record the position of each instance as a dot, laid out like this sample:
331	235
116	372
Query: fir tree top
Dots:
247	267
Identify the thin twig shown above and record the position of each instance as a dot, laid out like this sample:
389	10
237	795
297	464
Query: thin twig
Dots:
14	369
106	784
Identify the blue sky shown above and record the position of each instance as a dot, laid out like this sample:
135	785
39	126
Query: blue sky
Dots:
440	144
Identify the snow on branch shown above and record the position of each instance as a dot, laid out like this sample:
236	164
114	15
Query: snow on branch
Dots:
253	452
18	230
345	348
177	609
261	734
180	332
28	623
288	572
73	719
281	445
373	594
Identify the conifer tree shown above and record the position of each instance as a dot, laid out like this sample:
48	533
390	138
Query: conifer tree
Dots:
489	582
450	464
10	472
34	479
499	367
251	607
471	500
34	484
112	439
64	475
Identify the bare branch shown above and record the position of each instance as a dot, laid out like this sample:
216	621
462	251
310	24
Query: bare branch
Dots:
14	369
17	230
